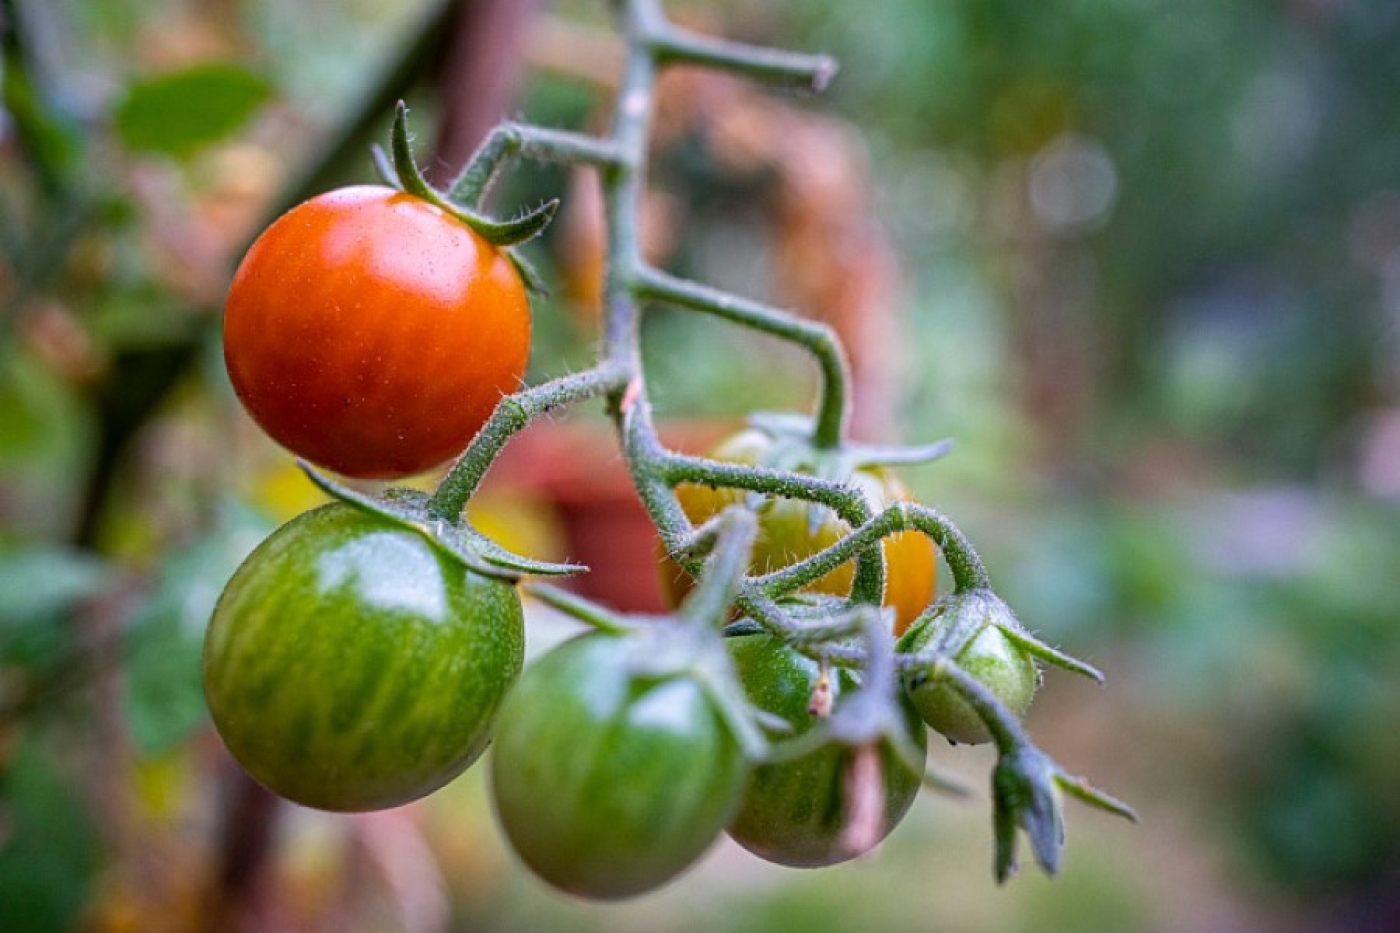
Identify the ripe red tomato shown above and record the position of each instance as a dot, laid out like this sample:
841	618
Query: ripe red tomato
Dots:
790	530
373	333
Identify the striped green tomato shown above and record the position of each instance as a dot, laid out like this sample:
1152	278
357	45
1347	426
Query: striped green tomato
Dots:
352	665
607	780
795	812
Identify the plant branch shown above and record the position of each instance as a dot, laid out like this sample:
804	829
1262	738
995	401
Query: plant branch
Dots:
968	571
817	338
672	45
511	416
511	141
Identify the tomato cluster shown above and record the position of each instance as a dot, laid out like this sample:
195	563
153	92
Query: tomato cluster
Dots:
352	664
355	661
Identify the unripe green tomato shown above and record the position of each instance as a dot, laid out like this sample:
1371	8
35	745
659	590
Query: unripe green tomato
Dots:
996	662
608	782
794	812
787	533
352	665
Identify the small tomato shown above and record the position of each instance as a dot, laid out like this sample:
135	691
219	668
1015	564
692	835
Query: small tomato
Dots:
352	665
373	333
995	661
607	781
795	812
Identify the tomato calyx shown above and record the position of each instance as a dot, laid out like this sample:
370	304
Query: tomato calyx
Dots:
690	642
794	449
1028	790
410	509
401	171
872	715
975	608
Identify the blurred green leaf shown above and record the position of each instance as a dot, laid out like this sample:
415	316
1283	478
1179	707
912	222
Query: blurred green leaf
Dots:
39	581
178	112
48	850
165	692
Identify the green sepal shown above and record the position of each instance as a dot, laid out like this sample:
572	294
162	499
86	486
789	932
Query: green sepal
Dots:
501	233
1027	792
583	610
384	166
519	229
790	428
409	508
528	273
406	169
1039	649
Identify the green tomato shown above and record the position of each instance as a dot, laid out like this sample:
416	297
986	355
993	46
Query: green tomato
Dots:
609	782
793	812
994	660
352	665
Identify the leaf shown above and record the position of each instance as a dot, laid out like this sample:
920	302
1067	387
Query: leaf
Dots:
36	582
48	853
165	638
178	112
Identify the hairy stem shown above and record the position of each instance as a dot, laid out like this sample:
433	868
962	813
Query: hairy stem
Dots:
510	417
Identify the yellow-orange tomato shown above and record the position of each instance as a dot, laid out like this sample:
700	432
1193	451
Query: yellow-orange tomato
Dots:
373	333
790	530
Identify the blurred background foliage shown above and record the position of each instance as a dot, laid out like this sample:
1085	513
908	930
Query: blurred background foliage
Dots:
1141	259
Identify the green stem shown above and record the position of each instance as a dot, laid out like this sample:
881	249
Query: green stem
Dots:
969	573
869	582
710	600
577	607
510	417
672	45
817	338
511	141
844	501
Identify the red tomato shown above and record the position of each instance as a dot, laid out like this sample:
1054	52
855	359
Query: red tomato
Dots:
373	333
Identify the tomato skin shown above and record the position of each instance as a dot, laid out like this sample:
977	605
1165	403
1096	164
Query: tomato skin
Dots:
372	333
992	659
608	783
352	665
792	811
788	534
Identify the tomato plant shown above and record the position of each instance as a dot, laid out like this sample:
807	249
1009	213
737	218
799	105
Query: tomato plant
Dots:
359	656
795	812
1005	668
352	665
790	530
372	333
609	780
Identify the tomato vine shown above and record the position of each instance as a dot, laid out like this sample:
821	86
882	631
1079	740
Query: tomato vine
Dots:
864	730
